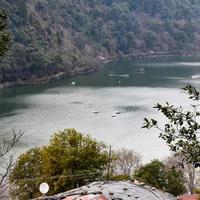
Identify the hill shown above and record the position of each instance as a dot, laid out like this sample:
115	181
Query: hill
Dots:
53	38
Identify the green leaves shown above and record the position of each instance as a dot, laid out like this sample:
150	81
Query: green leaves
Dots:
3	20
192	92
71	158
149	123
182	131
158	175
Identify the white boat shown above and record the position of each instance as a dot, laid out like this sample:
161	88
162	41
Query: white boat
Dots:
119	75
95	111
114	115
117	112
141	69
111	74
124	75
73	83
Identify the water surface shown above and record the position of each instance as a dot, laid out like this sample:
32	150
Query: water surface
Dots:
130	86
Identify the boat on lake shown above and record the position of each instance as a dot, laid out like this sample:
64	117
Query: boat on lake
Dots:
95	111
119	75
73	83
114	115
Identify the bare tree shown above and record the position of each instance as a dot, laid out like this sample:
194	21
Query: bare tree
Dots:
126	162
7	161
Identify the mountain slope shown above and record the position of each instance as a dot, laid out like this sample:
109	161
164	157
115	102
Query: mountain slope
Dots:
68	36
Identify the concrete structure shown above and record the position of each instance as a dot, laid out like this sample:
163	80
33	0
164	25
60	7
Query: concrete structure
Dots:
113	191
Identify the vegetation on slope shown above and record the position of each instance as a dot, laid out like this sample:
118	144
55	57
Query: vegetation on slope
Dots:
4	35
54	36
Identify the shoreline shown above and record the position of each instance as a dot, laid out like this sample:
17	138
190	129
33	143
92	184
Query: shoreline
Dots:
47	79
152	55
87	70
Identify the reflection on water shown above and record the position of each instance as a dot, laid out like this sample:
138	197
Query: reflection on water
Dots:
190	63
129	108
197	76
42	110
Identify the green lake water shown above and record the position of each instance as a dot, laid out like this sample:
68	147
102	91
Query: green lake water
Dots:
131	86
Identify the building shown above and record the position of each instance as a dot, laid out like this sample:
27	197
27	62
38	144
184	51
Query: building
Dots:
189	197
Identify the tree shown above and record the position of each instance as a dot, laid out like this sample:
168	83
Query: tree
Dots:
125	162
4	35
7	161
190	173
69	160
156	174
152	174
181	132
174	182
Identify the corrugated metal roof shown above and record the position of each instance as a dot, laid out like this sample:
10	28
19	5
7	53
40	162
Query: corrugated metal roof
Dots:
87	197
113	191
189	197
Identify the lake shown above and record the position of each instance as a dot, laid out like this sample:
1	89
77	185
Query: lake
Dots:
131	86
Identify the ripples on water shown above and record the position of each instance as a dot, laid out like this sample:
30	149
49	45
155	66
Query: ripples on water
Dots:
42	110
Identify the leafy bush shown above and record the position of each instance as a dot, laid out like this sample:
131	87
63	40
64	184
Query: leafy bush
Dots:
156	174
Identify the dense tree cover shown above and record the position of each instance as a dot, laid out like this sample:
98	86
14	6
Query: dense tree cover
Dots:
157	174
79	31
69	160
181	131
4	35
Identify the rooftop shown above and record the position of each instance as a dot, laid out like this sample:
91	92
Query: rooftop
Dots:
113	191
189	197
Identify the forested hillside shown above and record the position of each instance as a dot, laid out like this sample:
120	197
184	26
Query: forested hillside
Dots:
68	36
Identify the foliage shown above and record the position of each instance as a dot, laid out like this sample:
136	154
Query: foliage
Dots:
4	35
80	31
156	174
174	182
69	160
181	133
191	174
197	191
152	174
119	178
